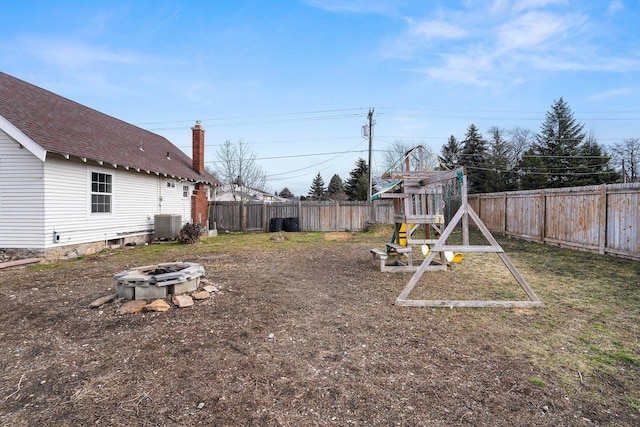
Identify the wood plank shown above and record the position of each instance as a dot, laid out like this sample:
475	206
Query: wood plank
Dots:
20	262
468	248
465	303
411	268
399	248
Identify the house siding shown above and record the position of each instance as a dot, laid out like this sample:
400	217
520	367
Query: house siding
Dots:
41	201
21	196
173	201
136	198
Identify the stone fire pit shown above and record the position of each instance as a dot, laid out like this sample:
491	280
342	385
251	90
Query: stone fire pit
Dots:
158	281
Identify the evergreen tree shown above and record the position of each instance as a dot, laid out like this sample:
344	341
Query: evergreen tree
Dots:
500	176
317	190
474	156
357	186
531	171
595	167
286	193
558	144
450	154
335	190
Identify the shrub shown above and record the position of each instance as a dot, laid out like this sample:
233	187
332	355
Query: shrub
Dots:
189	233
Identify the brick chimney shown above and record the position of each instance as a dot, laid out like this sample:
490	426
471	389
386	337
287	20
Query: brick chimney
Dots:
199	203
198	147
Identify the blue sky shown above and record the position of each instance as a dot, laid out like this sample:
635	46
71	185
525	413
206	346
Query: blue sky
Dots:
295	79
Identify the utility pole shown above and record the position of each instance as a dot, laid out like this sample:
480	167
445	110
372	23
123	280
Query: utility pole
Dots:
371	123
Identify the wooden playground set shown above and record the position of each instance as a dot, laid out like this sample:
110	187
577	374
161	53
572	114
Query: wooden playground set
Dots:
424	202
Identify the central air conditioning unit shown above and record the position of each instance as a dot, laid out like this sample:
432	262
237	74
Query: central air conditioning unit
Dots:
167	226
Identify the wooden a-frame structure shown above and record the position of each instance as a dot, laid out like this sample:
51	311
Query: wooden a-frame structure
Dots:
462	216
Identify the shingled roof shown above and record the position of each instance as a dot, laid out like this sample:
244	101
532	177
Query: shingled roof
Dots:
59	125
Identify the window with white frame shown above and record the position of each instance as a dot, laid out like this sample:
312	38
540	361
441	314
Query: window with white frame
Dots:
101	192
185	191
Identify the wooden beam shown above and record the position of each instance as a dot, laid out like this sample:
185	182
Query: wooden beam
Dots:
20	262
467	248
470	303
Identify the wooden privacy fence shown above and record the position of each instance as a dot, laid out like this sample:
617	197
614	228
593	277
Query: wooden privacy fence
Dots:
310	215
599	218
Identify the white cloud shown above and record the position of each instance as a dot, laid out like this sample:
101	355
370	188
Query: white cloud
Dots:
427	29
534	28
613	93
74	54
521	5
615	6
470	69
421	35
354	6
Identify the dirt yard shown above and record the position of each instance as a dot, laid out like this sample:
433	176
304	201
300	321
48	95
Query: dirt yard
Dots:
304	332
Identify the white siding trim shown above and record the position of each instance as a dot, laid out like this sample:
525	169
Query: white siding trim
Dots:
22	139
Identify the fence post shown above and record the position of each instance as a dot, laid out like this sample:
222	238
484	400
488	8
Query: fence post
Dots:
504	211
543	216
242	216
602	238
265	223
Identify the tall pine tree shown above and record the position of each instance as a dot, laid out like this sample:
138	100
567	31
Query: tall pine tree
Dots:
317	190
474	156
500	176
558	145
450	154
357	185
531	171
335	190
595	167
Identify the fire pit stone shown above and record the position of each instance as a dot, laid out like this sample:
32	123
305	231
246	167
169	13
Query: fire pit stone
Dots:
158	281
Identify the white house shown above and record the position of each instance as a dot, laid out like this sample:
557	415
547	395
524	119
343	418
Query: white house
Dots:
227	193
74	180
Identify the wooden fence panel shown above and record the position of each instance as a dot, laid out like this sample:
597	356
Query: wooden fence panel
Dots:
573	217
383	212
603	218
318	216
312	216
282	210
253	216
623	220
525	215
492	208
226	215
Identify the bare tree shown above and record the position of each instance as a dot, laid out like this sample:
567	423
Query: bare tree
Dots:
626	156
236	166
397	151
520	141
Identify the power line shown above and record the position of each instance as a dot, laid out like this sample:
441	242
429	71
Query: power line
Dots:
516	171
292	156
317	164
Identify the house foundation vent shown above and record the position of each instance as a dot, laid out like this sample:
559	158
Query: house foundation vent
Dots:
167	226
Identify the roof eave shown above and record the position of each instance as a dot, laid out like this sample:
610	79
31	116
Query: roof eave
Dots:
22	140
135	168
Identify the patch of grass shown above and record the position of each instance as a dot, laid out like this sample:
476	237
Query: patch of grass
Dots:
42	267
536	382
624	357
634	402
608	357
